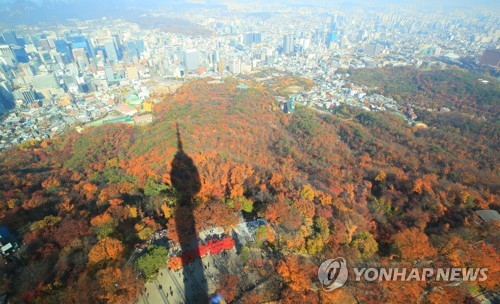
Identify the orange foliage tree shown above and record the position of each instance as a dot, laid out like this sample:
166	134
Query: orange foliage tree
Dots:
106	249
413	244
296	271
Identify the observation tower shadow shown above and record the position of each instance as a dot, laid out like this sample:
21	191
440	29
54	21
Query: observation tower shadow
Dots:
186	181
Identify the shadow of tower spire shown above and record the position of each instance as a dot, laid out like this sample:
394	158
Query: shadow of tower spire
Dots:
186	181
184	174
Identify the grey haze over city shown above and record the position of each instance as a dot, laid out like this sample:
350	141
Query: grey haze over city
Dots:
26	11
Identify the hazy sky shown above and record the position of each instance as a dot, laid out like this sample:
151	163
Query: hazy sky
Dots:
469	3
33	11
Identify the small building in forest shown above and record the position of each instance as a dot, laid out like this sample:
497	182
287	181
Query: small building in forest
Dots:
289	106
488	216
8	242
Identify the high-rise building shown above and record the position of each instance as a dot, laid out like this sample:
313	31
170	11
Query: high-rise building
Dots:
331	37
140	46
288	44
58	58
26	69
82	42
110	49
319	37
235	67
248	39
215	57
6	97
45	57
64	49
191	59
21	42
70	84
8	55
373	49
251	38
221	66
118	46
110	74
257	38
19	53
9	37
80	56
43	43
132	51
27	95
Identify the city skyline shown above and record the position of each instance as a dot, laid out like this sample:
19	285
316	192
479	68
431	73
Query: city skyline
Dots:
85	60
236	152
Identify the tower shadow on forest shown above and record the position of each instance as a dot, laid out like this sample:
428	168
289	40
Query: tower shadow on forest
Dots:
186	181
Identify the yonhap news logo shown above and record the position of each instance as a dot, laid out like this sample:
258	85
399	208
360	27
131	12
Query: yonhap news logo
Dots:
333	274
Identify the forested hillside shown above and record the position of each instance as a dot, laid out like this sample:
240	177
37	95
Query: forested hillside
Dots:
470	92
363	185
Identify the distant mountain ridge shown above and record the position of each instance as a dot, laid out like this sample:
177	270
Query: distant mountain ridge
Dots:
31	12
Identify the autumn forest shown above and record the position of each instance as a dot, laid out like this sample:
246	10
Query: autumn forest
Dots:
363	185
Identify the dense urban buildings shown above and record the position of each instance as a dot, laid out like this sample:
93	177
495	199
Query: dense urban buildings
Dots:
67	76
249	152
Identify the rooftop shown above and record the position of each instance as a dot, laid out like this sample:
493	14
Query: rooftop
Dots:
488	216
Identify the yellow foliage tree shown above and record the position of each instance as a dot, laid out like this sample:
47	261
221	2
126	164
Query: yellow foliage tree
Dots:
132	211
106	249
381	176
307	192
167	211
